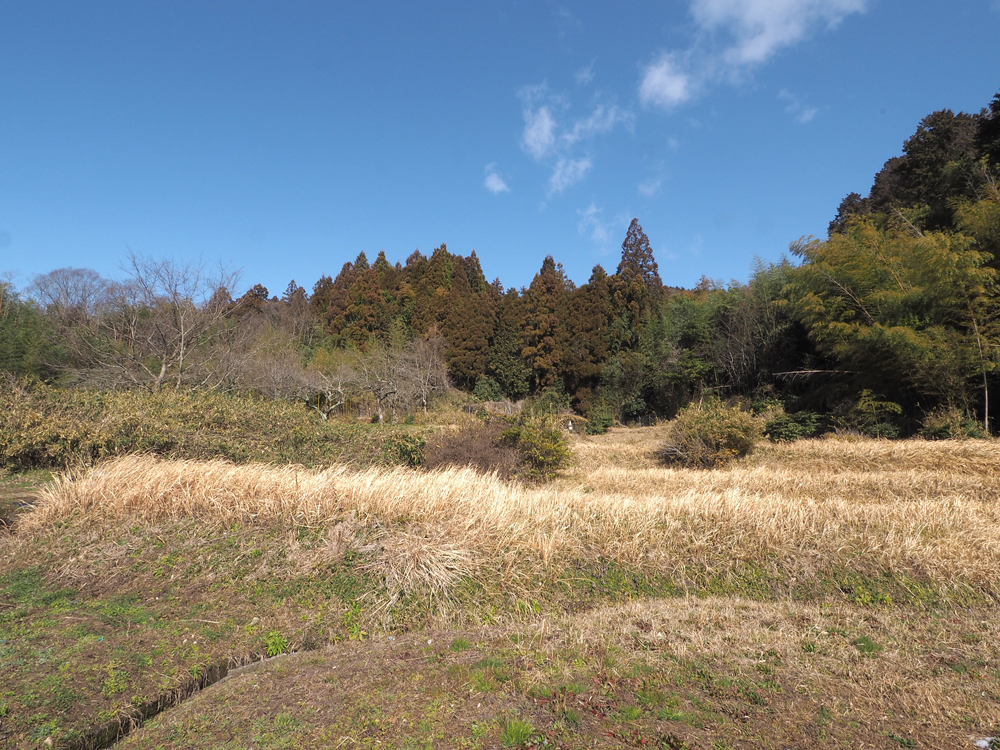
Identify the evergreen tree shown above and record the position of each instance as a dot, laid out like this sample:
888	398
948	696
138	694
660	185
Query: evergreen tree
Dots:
506	365
589	325
544	334
635	289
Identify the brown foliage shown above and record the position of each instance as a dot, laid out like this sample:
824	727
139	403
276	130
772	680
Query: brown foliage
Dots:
479	447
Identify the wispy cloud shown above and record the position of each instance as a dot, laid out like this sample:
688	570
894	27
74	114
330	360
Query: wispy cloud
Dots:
799	111
601	120
604	233
649	188
539	132
546	140
568	172
732	38
760	28
494	182
586	75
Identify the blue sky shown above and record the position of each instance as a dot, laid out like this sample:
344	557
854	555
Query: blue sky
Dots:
283	138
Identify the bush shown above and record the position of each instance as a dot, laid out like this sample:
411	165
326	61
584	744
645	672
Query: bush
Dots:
784	427
600	418
710	435
950	423
541	446
870	417
480	446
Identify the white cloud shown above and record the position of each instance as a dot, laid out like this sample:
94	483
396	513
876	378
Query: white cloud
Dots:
586	75
568	172
732	38
761	28
649	188
494	182
799	111
664	84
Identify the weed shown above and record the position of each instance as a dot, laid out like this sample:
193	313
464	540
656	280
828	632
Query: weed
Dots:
275	643
460	644
866	645
516	733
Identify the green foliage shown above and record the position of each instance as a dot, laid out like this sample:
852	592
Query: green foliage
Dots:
866	645
600	418
404	449
950	423
871	417
785	426
541	445
709	435
42	426
516	733
487	389
552	400
275	643
26	337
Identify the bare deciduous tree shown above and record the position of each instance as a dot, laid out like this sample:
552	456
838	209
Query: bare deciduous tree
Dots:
167	323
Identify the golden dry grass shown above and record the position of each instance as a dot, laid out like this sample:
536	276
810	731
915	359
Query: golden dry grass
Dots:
924	508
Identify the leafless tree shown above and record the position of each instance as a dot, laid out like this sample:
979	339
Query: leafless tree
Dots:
70	293
425	372
166	323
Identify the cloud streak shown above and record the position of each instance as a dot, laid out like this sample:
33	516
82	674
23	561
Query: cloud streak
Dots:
546	140
664	84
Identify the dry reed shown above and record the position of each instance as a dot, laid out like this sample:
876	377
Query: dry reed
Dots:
926	508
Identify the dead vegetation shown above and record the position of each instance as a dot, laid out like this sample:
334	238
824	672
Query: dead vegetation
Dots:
926	509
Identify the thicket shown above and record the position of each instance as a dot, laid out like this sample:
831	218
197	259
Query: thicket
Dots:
46	427
899	306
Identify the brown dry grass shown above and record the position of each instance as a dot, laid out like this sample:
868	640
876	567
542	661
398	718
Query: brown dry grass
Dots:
924	508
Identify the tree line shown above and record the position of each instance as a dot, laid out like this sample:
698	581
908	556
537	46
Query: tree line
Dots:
897	311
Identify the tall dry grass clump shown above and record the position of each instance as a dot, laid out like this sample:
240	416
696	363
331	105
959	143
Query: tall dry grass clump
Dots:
924	508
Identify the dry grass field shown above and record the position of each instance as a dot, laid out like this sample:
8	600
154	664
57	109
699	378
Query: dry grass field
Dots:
821	593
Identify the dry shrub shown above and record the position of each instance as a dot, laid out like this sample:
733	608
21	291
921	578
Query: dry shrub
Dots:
709	435
479	446
419	559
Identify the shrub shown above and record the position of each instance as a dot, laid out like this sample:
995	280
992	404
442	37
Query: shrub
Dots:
480	446
600	418
541	446
870	416
710	434
784	426
530	448
950	423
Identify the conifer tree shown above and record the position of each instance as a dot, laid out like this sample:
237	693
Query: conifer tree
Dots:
506	366
544	333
